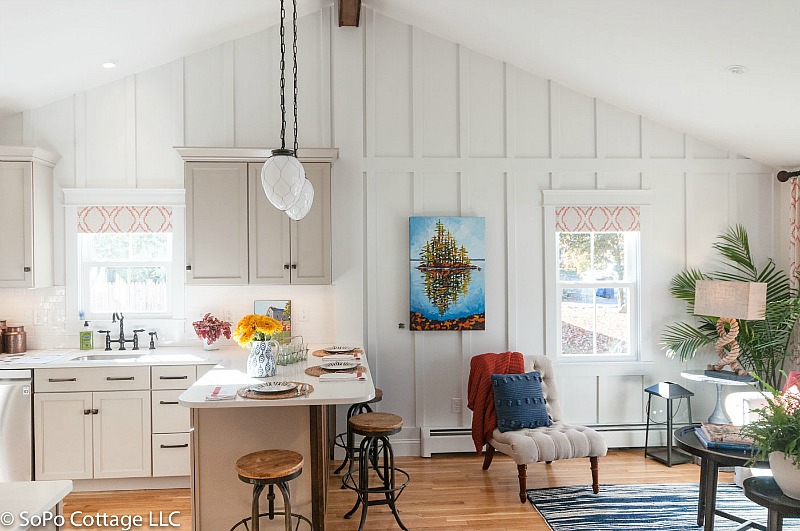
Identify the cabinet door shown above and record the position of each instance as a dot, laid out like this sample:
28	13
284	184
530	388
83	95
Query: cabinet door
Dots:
270	258
63	435
121	434
311	236
216	223
16	211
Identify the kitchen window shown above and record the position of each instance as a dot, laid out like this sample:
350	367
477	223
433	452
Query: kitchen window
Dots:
124	252
593	273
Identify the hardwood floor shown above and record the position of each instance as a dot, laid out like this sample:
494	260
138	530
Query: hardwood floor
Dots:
446	492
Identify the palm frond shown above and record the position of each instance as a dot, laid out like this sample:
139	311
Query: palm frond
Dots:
683	340
735	246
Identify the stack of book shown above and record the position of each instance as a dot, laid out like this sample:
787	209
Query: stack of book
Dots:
723	437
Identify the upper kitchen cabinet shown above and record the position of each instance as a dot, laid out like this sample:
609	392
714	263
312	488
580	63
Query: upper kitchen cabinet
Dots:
26	215
233	233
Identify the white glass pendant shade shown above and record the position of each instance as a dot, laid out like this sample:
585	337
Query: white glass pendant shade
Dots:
282	178
303	205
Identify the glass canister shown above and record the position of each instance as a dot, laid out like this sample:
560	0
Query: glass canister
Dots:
2	333
15	340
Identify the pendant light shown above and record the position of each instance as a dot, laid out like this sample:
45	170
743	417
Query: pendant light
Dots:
283	177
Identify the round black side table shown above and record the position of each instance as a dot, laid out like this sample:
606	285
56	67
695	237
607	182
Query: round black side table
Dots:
765	492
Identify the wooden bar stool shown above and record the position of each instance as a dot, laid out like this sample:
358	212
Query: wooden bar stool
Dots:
270	468
376	429
346	440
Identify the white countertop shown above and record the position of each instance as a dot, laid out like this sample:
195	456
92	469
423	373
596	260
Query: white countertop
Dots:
66	358
232	372
21	498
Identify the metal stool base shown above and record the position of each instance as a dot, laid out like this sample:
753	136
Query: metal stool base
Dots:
276	513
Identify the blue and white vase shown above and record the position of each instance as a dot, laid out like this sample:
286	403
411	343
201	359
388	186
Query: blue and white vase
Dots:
261	361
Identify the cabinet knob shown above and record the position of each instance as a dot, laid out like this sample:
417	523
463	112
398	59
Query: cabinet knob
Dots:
26	269
188	268
294	266
95	412
286	266
87	411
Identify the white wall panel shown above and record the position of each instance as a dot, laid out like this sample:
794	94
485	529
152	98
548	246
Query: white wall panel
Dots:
578	394
392	82
704	150
11	130
619	180
576	115
440	196
394	359
156	160
528	314
54	129
662	142
107	140
256	89
532	115
312	81
706	217
204	98
754	199
440	98
622	133
619	399
487	110
576	180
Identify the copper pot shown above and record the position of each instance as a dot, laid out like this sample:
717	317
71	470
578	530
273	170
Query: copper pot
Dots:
16	328
2	332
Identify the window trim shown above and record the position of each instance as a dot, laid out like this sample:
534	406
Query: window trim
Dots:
551	201
76	198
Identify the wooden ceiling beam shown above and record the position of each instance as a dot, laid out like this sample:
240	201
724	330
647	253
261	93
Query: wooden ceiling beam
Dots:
349	13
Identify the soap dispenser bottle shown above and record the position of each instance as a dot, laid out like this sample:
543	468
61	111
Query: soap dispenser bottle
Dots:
87	337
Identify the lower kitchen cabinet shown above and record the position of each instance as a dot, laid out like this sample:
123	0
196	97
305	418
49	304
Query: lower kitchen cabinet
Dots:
92	435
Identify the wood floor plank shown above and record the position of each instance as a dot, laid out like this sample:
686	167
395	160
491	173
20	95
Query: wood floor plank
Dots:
446	492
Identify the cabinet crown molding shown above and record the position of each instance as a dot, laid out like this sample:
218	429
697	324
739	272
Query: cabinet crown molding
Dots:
242	154
28	154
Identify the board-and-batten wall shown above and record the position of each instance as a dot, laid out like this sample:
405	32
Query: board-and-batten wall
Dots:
428	127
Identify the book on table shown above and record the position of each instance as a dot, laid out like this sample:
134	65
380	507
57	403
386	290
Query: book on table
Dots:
723	437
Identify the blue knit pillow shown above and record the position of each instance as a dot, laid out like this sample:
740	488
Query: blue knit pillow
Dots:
519	401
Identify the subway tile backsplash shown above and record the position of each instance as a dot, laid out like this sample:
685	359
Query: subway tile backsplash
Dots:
43	313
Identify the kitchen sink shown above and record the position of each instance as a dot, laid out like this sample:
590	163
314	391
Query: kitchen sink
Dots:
107	357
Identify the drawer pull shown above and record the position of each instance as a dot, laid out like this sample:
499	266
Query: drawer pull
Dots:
95	412
184	445
55	380
119	378
167	403
184	377
87	411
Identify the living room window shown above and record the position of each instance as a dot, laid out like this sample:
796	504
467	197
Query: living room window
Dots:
593	282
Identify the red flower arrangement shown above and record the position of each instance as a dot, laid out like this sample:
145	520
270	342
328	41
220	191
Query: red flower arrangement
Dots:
210	328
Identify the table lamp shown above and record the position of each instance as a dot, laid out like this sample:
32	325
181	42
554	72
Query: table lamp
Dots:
729	301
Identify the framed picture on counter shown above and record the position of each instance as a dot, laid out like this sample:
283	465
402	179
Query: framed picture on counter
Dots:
279	310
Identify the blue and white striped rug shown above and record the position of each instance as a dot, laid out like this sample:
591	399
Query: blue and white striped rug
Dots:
664	506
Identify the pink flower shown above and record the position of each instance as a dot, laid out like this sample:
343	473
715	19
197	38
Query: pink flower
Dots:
210	328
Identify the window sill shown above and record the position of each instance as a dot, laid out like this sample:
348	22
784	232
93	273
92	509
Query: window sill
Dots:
600	367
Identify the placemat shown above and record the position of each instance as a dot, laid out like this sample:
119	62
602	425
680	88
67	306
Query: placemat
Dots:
244	393
318	371
321	353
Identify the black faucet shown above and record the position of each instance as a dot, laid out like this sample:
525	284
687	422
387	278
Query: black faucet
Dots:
153	343
121	340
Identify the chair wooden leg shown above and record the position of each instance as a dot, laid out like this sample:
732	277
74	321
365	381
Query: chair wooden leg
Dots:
487	459
522	472
595	474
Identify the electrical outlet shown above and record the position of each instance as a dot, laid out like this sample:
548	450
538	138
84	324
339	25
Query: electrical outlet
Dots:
226	315
39	317
455	405
304	314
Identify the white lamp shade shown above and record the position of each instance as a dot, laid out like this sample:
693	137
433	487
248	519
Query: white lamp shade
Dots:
303	205
282	178
737	300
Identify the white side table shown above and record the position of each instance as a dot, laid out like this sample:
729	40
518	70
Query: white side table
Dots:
718	416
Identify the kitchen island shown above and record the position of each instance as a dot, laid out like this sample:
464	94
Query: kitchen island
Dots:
224	430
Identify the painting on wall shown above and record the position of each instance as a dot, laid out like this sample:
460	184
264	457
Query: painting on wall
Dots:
447	264
281	311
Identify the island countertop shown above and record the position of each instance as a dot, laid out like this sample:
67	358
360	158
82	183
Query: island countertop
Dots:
231	373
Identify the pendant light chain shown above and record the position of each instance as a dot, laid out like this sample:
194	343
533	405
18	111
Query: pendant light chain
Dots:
283	80
294	72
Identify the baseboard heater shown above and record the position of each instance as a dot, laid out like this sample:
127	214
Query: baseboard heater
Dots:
453	440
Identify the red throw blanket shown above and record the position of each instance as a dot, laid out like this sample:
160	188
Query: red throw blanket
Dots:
480	396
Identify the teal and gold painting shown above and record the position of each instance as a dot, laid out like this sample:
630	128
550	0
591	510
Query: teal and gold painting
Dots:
447	264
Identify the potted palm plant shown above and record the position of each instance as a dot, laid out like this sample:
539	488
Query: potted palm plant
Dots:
764	344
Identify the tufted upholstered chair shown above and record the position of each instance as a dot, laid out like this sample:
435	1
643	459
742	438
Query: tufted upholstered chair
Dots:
550	443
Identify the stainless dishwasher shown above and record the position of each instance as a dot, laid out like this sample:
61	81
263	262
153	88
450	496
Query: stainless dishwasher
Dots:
16	426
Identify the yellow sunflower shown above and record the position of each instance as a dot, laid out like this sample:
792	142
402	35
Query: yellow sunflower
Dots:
254	327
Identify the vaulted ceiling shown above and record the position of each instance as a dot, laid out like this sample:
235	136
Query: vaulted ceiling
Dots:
667	60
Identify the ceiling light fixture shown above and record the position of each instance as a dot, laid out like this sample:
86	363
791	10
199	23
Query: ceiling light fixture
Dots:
109	64
283	177
736	69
